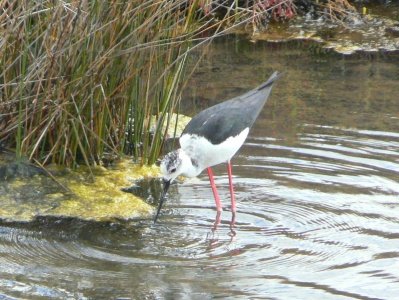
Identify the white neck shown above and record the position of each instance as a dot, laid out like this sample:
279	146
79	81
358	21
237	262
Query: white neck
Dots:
190	167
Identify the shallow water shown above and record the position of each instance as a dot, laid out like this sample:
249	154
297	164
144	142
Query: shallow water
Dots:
317	187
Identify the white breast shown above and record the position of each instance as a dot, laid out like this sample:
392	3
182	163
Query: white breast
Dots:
207	154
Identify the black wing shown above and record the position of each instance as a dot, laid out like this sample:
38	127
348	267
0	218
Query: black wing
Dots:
230	118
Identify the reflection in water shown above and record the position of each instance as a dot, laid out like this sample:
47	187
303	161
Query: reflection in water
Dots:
316	187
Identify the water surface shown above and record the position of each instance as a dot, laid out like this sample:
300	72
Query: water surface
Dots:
317	187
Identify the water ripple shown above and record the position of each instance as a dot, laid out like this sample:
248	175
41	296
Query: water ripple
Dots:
314	213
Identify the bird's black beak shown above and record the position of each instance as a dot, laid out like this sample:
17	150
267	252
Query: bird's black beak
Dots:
166	185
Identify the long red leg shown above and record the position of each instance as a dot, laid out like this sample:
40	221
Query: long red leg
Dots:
233	199
214	190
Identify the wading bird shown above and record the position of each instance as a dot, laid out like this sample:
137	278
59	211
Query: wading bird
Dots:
213	137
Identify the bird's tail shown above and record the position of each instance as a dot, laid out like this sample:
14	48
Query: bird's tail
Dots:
257	97
260	94
276	75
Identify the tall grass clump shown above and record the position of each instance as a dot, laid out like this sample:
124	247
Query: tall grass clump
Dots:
81	78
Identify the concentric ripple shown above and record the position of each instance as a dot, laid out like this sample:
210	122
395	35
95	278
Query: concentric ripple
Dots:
318	216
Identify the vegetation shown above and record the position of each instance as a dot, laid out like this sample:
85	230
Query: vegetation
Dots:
81	79
84	77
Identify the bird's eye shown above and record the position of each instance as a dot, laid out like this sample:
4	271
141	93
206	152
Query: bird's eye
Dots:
173	170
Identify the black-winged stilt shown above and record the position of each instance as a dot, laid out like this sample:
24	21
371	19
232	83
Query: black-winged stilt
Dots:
213	137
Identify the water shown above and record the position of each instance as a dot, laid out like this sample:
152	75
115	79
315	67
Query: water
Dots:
317	187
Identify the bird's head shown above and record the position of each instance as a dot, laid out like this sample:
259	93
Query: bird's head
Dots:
171	167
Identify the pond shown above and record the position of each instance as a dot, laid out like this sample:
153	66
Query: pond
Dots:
316	183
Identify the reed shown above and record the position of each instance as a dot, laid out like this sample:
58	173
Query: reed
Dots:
82	78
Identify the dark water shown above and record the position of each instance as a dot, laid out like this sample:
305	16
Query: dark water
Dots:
317	186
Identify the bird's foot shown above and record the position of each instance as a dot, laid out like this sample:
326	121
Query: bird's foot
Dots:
232	224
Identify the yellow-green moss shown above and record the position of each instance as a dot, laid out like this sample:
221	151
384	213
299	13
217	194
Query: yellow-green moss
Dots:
100	200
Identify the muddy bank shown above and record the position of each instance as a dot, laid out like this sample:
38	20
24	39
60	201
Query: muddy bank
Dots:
374	28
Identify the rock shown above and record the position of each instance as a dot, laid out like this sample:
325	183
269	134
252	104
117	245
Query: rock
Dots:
393	31
22	169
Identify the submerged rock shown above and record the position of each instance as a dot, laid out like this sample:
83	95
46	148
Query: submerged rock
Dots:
16	169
